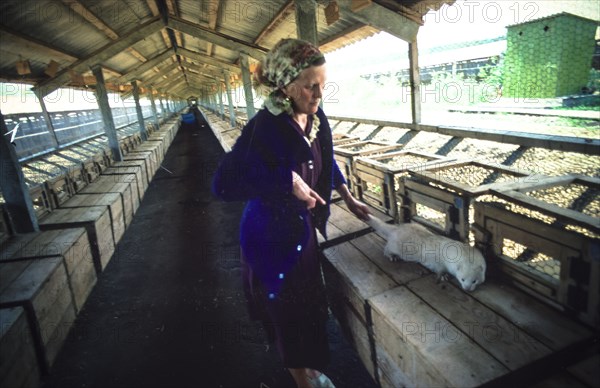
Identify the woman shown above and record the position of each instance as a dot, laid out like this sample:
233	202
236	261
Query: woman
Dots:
283	165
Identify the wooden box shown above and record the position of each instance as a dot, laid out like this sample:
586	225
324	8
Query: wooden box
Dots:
59	189
117	184
97	223
136	164
445	192
131	174
91	170
78	179
154	147
550	247
18	361
42	203
148	158
346	153
41	287
376	176
70	244
113	203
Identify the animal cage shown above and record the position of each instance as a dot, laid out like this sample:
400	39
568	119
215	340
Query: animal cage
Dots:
545	238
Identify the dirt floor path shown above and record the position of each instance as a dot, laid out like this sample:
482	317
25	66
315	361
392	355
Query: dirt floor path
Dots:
169	310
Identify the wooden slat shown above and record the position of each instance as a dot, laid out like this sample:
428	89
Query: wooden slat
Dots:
506	342
533	317
552	142
429	348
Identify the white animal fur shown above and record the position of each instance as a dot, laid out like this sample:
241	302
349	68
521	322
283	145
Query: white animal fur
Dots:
440	254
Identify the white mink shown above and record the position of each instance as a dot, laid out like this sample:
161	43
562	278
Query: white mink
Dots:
440	254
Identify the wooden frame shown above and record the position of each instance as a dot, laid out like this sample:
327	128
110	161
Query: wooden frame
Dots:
374	170
428	186
577	290
345	156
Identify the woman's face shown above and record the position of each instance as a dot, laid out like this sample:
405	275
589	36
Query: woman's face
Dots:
306	90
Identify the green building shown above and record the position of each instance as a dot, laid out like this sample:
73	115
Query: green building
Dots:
549	57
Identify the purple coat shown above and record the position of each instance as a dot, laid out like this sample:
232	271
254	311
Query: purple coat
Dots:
274	226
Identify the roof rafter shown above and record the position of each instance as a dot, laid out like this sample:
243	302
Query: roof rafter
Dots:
88	15
199	57
217	38
283	13
108	51
212	23
382	18
144	67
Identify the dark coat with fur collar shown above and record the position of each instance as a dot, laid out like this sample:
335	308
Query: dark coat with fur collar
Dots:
258	169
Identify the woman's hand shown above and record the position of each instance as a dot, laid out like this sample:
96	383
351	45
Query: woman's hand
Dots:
304	193
358	208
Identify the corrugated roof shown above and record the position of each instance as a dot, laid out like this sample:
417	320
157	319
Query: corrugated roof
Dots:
205	37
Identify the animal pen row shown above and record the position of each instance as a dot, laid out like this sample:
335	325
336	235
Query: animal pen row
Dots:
539	233
46	276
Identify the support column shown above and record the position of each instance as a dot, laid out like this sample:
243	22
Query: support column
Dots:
47	119
306	20
138	109
229	99
14	189
220	93
107	117
250	111
415	82
153	104
162	108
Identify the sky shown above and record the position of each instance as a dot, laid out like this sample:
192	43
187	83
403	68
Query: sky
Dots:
465	20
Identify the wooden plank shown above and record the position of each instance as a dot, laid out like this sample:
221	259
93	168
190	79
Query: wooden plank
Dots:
533	317
42	288
128	174
112	201
18	361
426	346
389	373
96	221
136	164
506	342
359	278
124	187
148	158
526	139
108	51
566	215
219	39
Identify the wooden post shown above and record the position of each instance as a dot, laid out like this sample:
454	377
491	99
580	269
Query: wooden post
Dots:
162	109
107	117
306	20
415	82
47	119
250	111
229	99
220	93
154	112
14	189
138	109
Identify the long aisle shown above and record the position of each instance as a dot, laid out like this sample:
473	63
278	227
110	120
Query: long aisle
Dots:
169	311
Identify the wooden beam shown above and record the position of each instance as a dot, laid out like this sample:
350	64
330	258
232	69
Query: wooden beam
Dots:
144	67
101	55
282	15
202	58
248	93
32	44
212	23
107	117
138	110
14	189
415	82
229	99
560	143
217	38
88	15
161	73
382	18
306	20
